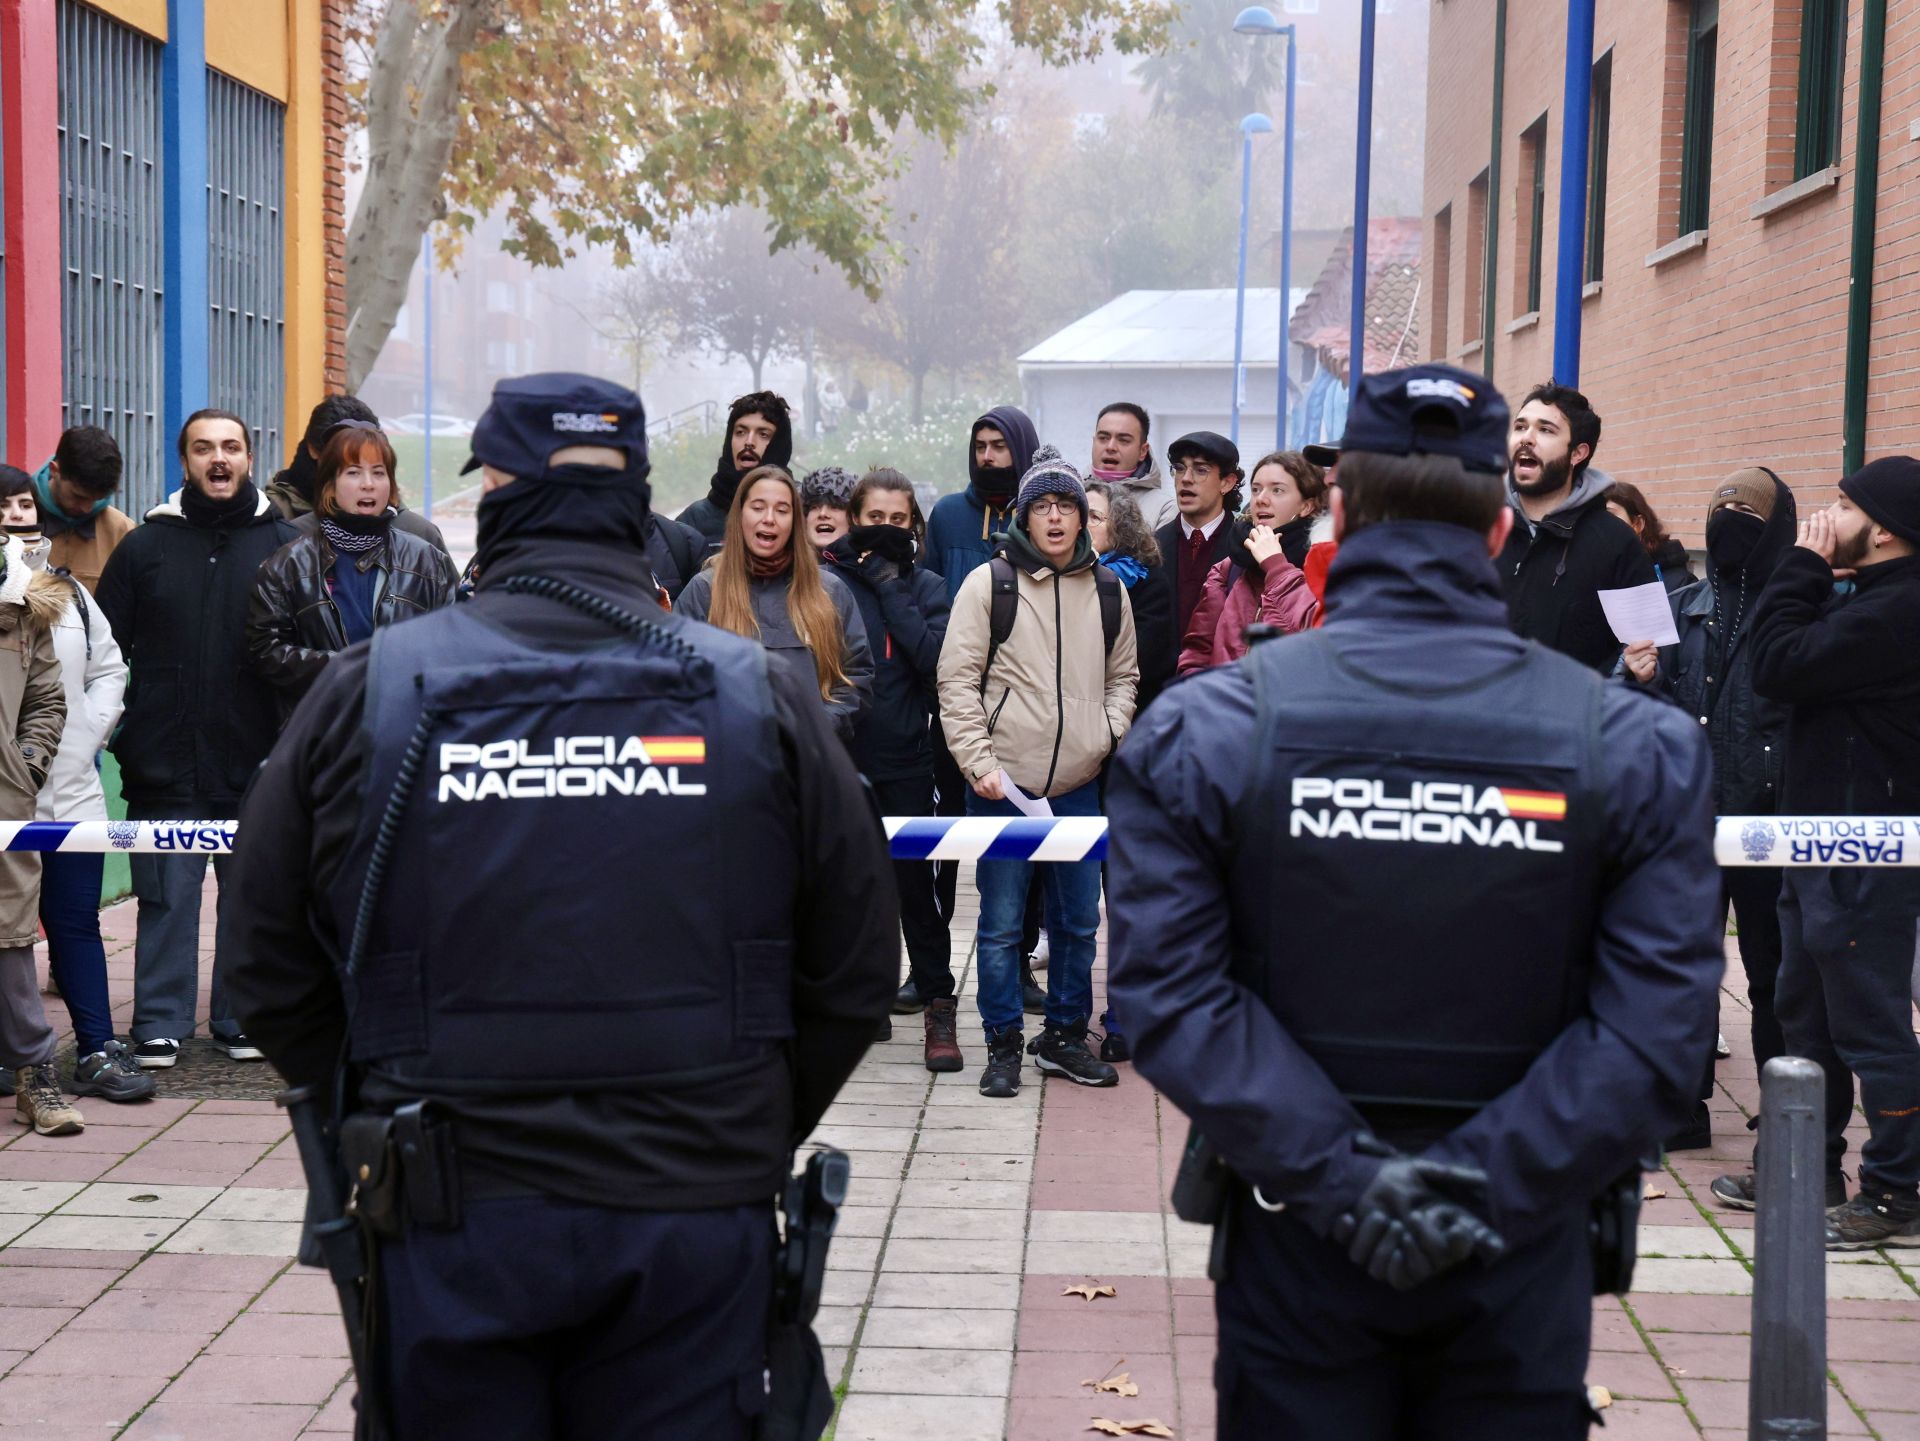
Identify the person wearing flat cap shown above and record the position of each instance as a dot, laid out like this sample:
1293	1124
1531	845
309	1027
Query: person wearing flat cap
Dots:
579	908
1206	488
1414	920
1845	661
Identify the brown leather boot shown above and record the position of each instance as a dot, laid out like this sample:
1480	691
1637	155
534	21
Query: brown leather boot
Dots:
943	1048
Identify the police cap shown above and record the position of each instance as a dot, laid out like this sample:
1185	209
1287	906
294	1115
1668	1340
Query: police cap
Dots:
532	416
1430	410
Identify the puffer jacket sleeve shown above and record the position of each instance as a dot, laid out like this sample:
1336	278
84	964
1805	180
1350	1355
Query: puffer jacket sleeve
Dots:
963	658
1285	599
1123	674
1197	650
273	635
106	679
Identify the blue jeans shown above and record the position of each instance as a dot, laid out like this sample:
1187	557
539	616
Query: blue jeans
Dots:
70	910
1073	923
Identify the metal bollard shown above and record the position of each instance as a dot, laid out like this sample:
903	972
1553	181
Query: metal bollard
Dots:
1787	1392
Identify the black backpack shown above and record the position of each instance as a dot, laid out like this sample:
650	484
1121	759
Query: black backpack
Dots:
1006	600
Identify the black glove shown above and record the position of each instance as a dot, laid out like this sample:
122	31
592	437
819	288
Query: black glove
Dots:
1412	1222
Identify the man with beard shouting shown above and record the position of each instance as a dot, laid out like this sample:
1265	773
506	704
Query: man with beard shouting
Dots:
198	720
1565	547
759	432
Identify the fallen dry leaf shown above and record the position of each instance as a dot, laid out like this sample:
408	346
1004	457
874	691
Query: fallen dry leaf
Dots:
1653	1193
1089	1290
1121	1385
1129	1428
1599	1397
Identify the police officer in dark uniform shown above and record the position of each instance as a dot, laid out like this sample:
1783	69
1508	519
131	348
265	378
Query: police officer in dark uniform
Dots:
596	911
1431	973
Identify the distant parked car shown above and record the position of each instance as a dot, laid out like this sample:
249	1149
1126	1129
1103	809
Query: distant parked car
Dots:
415	423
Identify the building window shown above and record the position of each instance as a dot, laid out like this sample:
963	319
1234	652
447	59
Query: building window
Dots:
1696	155
1600	123
1442	278
1823	53
1532	197
246	257
500	298
1303	7
1476	250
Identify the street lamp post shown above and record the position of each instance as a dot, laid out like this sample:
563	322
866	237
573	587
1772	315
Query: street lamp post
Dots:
1250	126
1258	20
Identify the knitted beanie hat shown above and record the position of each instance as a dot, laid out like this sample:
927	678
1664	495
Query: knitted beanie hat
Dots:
1050	474
829	485
1752	487
1888	490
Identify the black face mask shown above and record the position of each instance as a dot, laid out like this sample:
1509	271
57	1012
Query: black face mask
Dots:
996	482
1731	536
889	542
585	502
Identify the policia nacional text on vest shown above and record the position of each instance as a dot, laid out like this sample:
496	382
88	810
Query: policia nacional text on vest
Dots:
440	995
1486	797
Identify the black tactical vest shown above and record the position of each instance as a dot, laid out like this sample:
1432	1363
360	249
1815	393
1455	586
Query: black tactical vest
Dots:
1415	891
593	880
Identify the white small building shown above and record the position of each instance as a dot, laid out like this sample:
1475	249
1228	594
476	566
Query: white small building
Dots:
1170	351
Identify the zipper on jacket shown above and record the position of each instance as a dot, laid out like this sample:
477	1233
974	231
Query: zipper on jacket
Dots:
1059	688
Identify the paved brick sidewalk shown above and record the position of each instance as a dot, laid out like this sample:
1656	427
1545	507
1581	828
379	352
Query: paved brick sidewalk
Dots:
147	1289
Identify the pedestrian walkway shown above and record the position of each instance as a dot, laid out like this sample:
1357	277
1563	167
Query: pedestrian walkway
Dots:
147	1289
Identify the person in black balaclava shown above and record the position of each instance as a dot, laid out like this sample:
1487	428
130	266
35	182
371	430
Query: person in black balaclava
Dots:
961	528
1750	525
759	432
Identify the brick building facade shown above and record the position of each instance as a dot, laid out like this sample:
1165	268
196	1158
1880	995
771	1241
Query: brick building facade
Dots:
1719	266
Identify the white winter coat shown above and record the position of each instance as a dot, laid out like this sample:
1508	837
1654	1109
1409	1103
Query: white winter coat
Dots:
95	685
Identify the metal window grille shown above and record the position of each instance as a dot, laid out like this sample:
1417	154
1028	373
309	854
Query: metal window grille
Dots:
246	261
1823	53
110	242
1696	160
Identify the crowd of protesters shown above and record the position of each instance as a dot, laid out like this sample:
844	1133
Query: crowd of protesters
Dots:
986	657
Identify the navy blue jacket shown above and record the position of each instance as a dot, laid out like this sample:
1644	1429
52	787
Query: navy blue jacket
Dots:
961	528
1420	601
906	619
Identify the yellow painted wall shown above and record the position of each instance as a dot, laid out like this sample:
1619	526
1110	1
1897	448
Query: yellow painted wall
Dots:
149	16
306	274
247	39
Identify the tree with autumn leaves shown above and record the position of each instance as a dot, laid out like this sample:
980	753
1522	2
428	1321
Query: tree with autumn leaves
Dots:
613	122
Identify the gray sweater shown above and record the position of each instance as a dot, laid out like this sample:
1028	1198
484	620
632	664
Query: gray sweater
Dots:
783	643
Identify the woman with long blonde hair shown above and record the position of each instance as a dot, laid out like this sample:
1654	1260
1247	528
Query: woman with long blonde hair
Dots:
767	586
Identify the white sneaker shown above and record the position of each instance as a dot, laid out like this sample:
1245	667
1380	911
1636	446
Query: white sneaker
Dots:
1041	954
239	1048
1720	1047
157	1054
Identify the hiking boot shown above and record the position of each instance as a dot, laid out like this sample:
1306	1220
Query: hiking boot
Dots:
1001	1078
238	1048
1064	1053
1740	1192
157	1054
943	1045
113	1075
40	1103
908	1001
1870	1220
1033	997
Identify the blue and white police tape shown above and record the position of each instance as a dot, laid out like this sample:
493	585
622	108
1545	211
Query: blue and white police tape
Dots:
1874	841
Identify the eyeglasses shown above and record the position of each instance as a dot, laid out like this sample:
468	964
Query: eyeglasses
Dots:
1055	506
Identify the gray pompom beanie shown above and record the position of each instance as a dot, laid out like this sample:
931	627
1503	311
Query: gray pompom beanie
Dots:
1050	474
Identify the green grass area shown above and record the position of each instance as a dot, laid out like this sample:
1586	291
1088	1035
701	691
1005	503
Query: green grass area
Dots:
450	452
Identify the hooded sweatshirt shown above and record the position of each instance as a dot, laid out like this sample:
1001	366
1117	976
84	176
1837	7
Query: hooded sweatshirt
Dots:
1552	571
708	515
1055	702
961	529
1710	672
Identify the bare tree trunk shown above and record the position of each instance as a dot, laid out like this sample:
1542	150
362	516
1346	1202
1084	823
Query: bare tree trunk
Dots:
919	394
413	100
758	360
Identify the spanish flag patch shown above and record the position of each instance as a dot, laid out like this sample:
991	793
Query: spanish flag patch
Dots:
1536	805
676	750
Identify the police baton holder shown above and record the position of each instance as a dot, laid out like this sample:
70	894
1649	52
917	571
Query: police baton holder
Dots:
799	1394
333	1239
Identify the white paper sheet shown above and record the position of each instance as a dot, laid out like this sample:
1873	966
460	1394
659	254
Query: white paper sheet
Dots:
1640	612
1034	807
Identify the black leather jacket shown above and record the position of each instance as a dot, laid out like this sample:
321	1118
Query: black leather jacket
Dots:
293	625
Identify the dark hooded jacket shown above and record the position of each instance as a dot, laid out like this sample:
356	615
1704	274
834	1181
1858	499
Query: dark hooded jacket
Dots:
708	515
1710	672
904	610
961	529
1552	572
1672	562
1847	667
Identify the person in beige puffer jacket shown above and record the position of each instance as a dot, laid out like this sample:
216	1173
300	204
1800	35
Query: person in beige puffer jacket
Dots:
1046	708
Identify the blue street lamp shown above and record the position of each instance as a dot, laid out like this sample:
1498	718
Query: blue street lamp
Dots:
1252	125
1258	20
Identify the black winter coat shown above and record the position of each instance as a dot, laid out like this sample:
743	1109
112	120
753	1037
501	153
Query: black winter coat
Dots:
905	614
1671	561
1848	666
675	551
198	720
1154	633
1552	574
293	625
